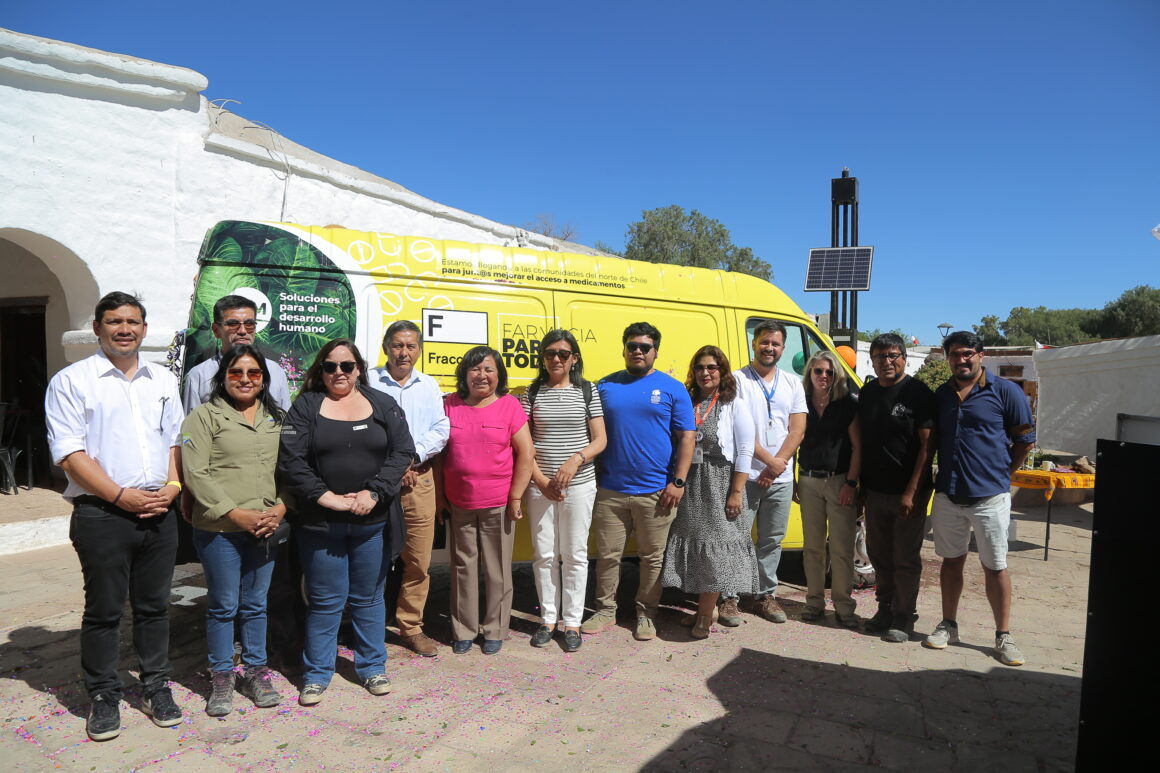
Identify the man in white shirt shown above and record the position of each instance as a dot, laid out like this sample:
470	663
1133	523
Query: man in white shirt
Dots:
419	396
235	321
777	402
114	426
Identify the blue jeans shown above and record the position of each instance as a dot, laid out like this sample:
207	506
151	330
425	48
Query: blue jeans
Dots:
237	575
773	505
344	566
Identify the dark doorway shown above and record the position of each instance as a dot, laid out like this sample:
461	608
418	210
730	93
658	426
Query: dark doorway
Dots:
24	375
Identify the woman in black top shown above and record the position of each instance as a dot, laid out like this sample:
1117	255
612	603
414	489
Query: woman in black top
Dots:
345	447
828	462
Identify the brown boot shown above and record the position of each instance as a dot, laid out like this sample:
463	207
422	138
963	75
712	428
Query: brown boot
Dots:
422	644
768	608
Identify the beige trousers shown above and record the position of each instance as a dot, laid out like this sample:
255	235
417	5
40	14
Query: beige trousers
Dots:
819	506
615	516
418	504
481	539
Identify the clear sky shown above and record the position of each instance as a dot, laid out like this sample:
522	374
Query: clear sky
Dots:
1007	151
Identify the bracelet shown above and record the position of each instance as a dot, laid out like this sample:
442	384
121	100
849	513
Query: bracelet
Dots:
116	498
583	458
174	483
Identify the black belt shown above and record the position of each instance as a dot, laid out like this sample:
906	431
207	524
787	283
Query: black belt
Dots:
965	501
818	473
95	501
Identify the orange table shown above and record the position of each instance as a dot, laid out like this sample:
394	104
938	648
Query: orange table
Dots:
1048	481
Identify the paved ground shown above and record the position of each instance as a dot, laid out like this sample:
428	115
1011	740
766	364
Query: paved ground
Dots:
759	697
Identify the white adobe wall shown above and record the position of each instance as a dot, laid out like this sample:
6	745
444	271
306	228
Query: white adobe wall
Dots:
113	169
1083	387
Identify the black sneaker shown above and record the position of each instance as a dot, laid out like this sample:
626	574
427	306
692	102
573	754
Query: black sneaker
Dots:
159	706
880	623
542	637
257	687
104	717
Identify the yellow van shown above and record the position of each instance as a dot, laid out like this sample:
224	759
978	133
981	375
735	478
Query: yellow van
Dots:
312	284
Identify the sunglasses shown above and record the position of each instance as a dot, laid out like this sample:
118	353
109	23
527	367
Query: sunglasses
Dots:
234	324
556	354
706	368
823	372
330	366
633	346
237	374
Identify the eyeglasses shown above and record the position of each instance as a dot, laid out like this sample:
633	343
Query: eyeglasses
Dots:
556	354
823	372
633	346
887	357
962	354
330	366
237	374
234	324
706	368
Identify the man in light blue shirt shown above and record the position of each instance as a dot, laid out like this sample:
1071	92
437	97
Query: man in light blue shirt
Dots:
419	396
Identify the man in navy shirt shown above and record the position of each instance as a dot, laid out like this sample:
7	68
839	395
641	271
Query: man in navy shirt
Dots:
649	418
985	430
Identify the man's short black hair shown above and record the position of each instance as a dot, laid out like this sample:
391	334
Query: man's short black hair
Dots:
401	326
886	342
642	329
227	302
767	326
963	338
116	300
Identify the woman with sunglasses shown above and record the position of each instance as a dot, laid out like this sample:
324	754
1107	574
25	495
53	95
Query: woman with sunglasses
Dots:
345	448
828	463
567	426
485	469
710	547
229	453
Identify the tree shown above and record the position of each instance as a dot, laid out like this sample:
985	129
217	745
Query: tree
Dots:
869	335
988	330
1135	313
934	373
672	235
545	223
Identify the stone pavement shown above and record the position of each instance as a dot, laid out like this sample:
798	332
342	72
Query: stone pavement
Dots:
759	697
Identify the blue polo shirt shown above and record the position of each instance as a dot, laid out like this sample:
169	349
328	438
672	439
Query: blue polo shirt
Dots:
975	436
641	416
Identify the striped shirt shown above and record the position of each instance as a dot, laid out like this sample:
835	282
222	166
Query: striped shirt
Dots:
560	427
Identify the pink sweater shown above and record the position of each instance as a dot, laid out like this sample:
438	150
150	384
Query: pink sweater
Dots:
478	460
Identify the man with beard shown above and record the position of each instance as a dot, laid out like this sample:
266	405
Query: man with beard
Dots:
114	426
985	430
235	321
777	406
651	436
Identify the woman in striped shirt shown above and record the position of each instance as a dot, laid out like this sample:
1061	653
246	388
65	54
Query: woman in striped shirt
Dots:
567	426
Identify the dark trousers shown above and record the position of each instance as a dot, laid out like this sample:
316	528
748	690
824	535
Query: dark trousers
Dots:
123	556
895	548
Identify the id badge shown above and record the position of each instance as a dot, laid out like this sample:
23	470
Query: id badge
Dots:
770	436
698	455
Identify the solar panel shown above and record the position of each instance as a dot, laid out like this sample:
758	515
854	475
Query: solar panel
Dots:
839	268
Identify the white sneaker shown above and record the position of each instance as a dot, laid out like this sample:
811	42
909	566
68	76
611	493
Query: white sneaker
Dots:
943	634
1007	652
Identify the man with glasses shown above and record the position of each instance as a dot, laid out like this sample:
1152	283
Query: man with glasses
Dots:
235	322
114	427
649	420
985	429
422	403
896	414
776	401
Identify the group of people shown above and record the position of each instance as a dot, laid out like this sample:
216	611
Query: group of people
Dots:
364	462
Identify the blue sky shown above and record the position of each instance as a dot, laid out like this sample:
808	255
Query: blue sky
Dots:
1007	151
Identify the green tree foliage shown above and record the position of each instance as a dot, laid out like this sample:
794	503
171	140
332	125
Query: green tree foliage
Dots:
870	335
672	235
1056	327
1135	313
934	373
988	330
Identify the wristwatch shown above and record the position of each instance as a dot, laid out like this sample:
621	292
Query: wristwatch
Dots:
851	483
374	496
679	482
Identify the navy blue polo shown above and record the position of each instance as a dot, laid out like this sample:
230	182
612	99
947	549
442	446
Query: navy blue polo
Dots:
975	436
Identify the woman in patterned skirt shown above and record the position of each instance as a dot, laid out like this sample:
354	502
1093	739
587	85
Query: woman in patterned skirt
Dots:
710	550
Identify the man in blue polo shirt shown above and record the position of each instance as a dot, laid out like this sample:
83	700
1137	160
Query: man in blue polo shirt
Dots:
651	436
985	430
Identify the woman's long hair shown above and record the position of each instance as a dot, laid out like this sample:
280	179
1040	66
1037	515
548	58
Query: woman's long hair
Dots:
728	388
312	382
473	358
838	386
575	373
264	398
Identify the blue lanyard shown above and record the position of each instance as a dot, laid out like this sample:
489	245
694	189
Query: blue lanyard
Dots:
769	393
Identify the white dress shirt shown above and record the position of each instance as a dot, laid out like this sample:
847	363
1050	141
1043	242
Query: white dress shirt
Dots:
770	404
199	383
422	404
127	426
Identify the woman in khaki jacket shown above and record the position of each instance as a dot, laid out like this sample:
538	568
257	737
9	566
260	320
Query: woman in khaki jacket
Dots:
229	454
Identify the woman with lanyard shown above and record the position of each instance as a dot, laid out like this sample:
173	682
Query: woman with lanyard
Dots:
710	550
828	467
